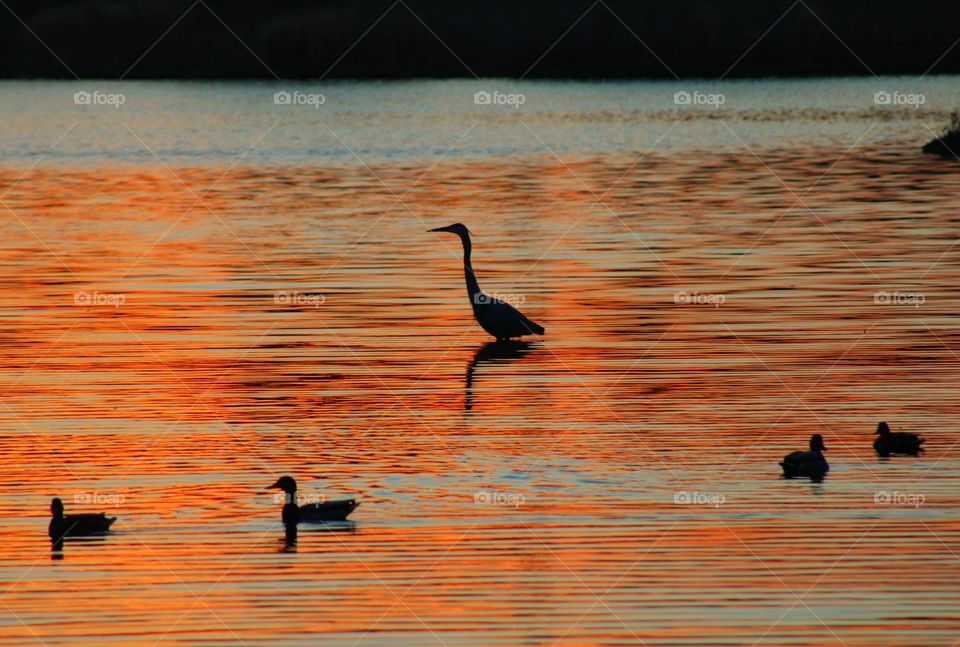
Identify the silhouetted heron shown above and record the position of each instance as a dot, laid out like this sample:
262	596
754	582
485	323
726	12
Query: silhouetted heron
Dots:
496	316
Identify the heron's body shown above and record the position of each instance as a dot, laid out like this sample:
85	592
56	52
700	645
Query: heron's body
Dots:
810	463
501	319
76	525
496	317
898	442
311	512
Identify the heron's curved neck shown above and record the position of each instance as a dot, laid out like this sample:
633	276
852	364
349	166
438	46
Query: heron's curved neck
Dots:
472	286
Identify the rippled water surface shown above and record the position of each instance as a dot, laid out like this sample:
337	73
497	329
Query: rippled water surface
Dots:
203	290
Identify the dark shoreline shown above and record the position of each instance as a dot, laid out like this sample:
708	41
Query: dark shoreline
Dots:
384	40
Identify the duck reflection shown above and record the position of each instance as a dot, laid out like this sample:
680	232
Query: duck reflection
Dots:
291	532
349	527
289	538
493	353
57	544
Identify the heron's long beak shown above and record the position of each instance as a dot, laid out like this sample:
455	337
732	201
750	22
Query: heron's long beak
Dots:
452	229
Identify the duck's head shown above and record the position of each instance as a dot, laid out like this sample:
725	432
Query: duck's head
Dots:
883	429
56	507
816	443
285	483
456	228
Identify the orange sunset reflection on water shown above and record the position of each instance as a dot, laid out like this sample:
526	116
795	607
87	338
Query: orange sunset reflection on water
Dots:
173	339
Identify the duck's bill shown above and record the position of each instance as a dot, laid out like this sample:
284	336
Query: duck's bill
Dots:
275	485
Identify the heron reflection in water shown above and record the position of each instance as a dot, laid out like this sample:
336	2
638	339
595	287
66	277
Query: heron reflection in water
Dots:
495	352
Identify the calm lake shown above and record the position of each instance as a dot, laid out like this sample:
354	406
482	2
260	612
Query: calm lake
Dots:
208	285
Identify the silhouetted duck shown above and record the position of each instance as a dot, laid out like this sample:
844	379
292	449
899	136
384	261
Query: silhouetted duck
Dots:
76	525
311	512
901	442
810	463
